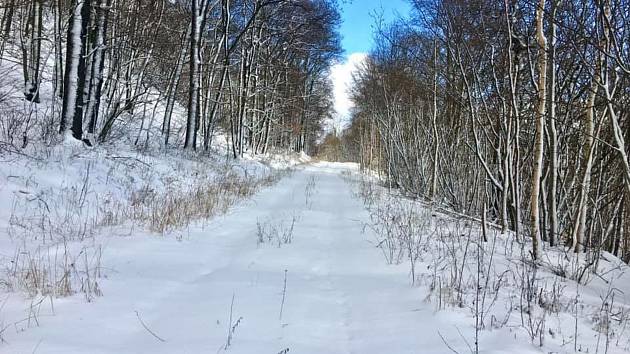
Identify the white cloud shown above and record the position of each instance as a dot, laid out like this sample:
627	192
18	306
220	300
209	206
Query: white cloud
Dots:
341	76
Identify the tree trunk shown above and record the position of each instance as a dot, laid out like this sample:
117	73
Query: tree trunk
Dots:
97	66
539	138
32	52
74	78
171	93
193	94
553	133
436	142
577	240
5	29
58	37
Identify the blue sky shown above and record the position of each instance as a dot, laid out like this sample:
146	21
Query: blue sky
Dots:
358	21
356	29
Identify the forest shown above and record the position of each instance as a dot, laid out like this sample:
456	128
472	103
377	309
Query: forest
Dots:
513	109
314	176
254	69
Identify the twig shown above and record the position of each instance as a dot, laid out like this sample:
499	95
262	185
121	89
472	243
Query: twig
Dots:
37	346
127	158
464	339
284	293
446	343
149	330
229	334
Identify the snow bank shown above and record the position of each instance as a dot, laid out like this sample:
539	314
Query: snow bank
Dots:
565	303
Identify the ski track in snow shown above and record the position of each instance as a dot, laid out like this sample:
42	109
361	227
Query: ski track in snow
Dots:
341	296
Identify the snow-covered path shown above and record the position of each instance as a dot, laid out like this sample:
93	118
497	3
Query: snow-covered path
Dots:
340	295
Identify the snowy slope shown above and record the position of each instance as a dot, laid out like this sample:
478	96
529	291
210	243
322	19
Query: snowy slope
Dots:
62	203
564	303
59	215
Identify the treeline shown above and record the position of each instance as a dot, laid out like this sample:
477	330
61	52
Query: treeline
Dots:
517	107
257	69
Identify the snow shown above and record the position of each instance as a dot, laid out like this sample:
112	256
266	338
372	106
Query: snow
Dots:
279	160
176	294
335	301
67	206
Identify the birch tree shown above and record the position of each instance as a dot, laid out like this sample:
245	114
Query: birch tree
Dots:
540	124
74	78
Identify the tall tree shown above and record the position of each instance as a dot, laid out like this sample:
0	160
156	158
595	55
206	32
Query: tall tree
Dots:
540	132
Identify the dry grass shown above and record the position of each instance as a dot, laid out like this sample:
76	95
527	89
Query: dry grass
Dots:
59	254
278	230
169	211
55	271
492	277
